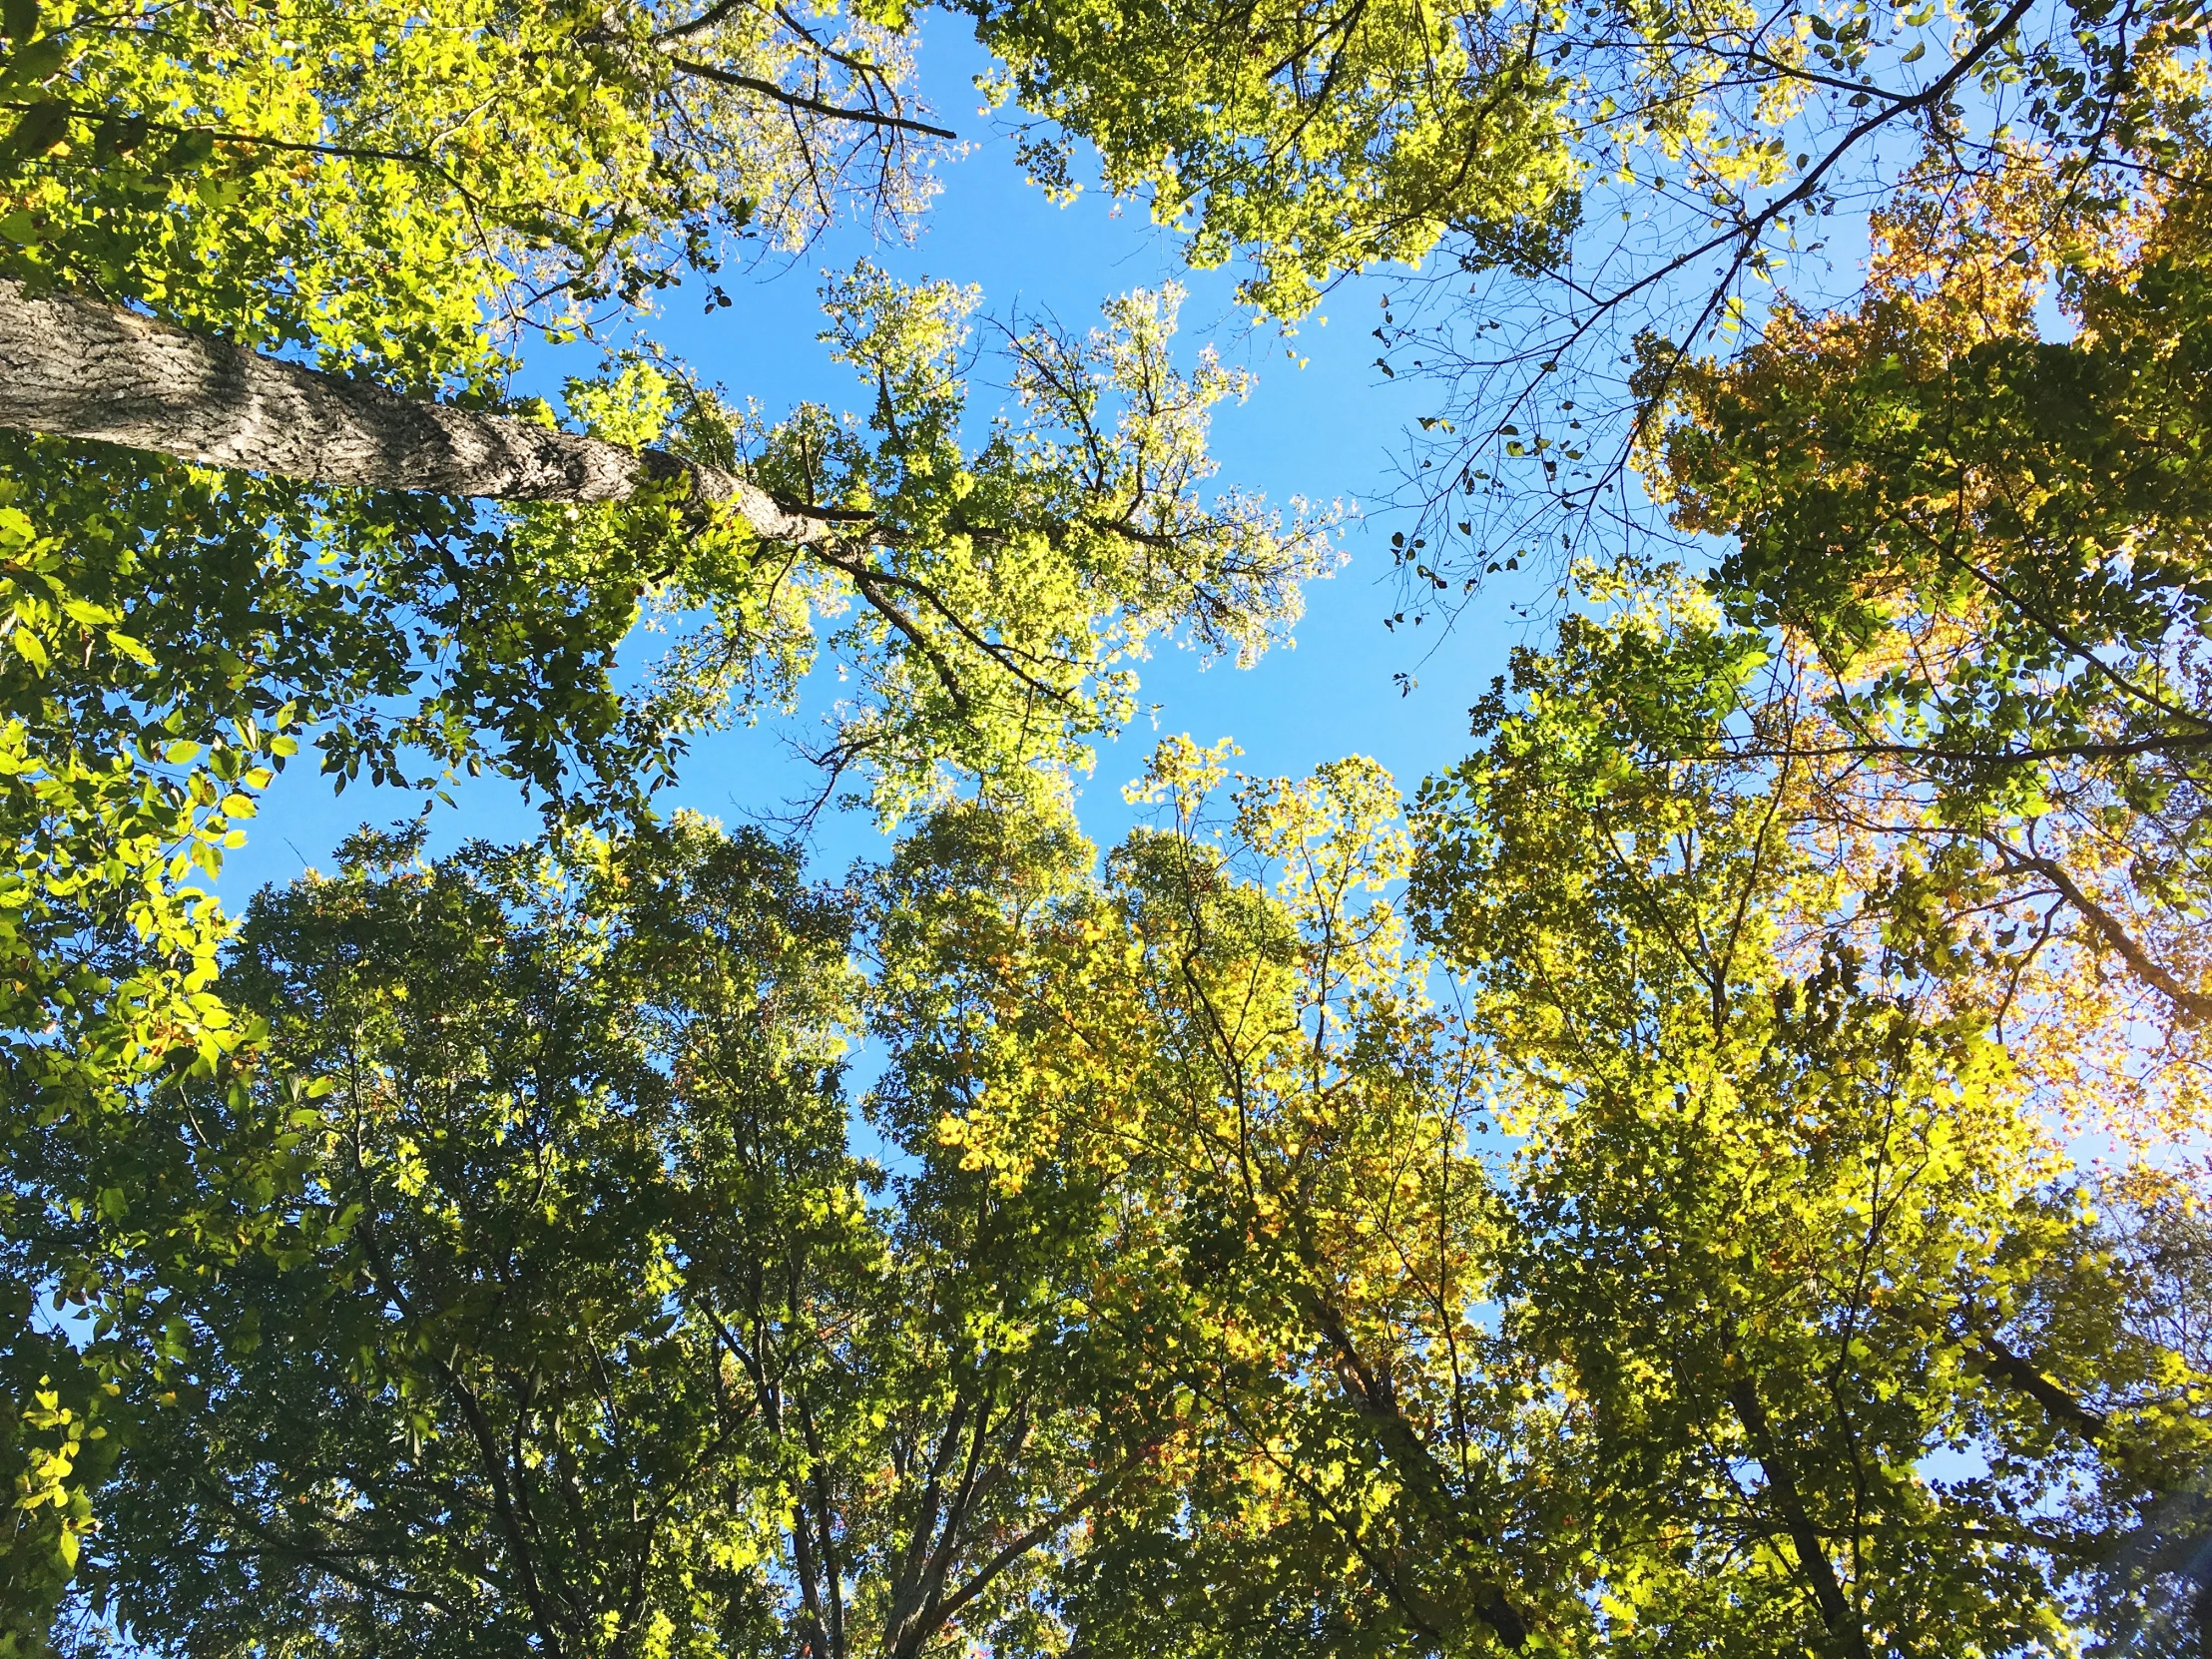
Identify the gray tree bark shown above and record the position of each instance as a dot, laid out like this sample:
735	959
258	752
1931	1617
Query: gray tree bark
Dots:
82	368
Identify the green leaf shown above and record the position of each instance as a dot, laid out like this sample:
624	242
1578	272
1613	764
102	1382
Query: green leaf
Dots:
84	612
41	128
186	152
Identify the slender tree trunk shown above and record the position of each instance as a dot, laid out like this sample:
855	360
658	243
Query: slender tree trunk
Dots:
1372	1395
1836	1609
82	368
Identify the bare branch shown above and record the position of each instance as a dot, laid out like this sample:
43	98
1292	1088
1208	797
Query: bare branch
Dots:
799	101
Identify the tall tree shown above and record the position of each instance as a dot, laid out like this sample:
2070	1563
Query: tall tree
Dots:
593	1335
1856	1364
1282	1121
1987	550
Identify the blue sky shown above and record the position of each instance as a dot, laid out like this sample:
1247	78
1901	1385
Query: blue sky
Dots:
1327	428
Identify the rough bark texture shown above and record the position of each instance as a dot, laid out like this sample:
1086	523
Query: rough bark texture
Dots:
82	368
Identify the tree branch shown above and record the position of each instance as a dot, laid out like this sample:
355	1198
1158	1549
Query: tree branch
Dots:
82	368
799	101
2019	1372
2192	1006
981	1579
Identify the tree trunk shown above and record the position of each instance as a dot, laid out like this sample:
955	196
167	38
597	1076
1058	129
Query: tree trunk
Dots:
1812	1553
82	368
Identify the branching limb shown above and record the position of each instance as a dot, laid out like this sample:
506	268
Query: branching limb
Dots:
799	101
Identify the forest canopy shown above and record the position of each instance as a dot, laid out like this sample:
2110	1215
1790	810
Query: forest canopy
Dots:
1717	1166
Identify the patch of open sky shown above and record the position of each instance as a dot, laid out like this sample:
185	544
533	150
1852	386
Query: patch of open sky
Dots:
1323	422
